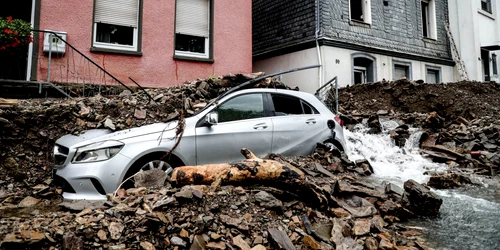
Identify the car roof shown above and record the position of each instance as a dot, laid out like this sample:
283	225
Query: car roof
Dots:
310	98
272	90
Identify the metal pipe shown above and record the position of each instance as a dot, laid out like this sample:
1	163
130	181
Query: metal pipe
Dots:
264	77
318	49
142	89
253	81
50	57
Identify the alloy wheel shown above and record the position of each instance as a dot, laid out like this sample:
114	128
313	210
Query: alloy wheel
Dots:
159	164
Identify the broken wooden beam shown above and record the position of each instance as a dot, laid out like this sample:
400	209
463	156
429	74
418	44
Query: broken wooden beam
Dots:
253	170
4	103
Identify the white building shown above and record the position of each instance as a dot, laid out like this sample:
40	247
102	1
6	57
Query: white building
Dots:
476	30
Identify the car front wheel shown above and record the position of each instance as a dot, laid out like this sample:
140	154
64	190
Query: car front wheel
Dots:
157	160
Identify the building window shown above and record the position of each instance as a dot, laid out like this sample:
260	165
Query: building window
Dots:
433	74
117	25
401	70
486	5
363	68
192	28
360	10
428	9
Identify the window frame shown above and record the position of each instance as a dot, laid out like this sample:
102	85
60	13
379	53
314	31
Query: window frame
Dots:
135	49
431	19
366	10
209	44
437	71
407	65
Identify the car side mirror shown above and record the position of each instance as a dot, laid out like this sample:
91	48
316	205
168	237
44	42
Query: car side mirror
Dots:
212	118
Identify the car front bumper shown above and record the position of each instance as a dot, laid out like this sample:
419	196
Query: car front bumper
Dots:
91	181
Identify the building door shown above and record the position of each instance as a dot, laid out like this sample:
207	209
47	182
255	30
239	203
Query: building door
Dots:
363	68
14	64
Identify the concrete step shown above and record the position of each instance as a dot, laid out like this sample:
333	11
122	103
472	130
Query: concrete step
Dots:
26	89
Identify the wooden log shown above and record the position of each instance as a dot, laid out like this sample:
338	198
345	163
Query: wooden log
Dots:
253	170
7	102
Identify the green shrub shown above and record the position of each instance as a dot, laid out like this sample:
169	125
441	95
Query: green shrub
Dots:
14	34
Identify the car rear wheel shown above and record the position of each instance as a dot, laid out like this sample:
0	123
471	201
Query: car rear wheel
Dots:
332	146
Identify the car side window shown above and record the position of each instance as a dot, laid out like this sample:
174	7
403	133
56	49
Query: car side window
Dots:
288	105
308	110
241	108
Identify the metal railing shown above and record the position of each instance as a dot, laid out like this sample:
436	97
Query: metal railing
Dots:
75	74
327	94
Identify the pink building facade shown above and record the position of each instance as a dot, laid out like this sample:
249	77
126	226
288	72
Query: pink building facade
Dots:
158	43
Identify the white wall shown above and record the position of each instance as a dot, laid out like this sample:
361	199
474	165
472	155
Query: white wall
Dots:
337	62
307	80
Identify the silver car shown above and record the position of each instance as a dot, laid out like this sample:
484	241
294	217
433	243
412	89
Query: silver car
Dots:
263	120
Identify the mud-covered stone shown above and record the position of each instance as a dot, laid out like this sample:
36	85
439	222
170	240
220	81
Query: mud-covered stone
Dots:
421	200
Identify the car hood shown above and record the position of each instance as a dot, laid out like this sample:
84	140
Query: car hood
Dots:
97	135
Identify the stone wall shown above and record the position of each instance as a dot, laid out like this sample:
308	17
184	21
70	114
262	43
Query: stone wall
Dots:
278	24
395	27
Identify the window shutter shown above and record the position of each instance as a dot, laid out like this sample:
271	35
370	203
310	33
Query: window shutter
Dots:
117	12
192	17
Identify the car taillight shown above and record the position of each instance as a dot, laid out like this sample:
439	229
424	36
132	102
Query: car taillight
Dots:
339	121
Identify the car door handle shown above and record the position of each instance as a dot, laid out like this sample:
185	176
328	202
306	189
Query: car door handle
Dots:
260	125
309	121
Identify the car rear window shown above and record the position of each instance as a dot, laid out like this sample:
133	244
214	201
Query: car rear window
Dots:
288	105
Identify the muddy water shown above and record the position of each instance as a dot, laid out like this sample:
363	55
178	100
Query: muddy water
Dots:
469	217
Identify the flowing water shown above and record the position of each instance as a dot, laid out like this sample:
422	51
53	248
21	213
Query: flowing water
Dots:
469	217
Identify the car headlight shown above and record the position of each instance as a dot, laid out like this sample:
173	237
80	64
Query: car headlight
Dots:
99	151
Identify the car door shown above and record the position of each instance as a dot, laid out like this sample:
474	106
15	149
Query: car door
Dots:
298	126
243	123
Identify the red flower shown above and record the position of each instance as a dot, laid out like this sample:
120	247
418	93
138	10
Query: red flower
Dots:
2	48
7	31
9	19
16	33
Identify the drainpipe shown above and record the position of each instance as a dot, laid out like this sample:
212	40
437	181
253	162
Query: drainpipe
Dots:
318	50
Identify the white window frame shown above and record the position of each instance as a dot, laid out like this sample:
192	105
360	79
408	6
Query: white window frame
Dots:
431	19
363	71
437	71
406	65
205	55
122	47
366	8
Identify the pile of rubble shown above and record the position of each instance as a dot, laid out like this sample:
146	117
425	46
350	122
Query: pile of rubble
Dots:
471	100
357	215
29	128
